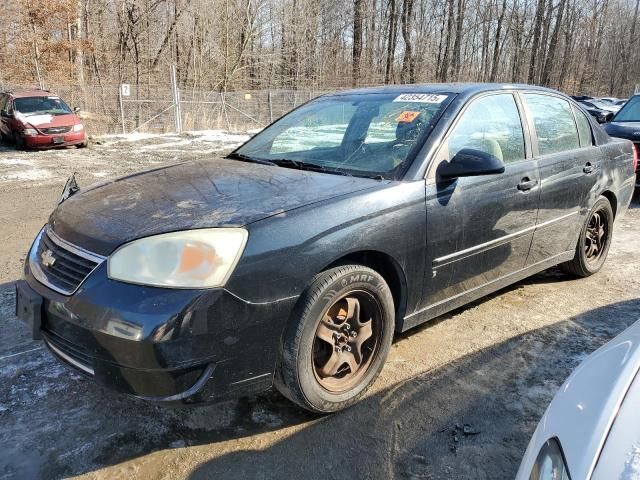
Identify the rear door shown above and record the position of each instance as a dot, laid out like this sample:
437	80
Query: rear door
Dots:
569	165
479	229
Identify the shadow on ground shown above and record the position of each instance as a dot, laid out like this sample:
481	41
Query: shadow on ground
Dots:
56	424
416	429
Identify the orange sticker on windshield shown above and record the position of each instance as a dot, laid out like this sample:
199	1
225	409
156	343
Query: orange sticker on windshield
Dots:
407	116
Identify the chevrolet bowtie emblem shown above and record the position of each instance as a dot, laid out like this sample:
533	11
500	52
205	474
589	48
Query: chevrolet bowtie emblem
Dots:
47	258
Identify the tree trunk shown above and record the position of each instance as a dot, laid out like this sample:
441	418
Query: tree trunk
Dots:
357	41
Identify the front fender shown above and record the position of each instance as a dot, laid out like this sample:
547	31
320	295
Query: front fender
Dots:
286	251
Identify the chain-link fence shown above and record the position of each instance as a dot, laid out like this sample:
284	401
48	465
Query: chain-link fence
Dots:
152	108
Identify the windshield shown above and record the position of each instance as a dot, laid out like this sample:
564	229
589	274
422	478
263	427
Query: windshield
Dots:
630	112
41	106
371	135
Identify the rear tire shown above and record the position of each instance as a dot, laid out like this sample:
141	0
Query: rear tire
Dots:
594	241
338	339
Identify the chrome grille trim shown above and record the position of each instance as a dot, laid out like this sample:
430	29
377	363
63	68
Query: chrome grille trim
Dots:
41	275
70	360
56	130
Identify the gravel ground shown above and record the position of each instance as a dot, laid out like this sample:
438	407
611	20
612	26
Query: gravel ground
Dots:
491	367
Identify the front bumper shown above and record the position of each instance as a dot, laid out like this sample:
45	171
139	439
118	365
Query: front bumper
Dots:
171	345
50	141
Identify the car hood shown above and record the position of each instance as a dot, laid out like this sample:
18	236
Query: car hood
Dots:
48	121
584	409
628	130
198	194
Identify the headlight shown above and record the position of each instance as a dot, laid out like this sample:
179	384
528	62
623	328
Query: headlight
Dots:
550	464
191	259
30	132
78	127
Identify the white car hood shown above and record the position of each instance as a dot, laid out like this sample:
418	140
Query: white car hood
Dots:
582	412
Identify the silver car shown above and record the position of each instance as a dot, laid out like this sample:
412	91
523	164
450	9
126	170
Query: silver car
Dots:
591	429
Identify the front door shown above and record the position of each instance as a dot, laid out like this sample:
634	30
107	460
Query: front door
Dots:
479	229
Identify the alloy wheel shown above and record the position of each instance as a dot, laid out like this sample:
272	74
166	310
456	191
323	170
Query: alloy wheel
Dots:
596	236
346	341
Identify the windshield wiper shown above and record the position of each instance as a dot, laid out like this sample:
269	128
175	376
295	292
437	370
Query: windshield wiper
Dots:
246	158
314	167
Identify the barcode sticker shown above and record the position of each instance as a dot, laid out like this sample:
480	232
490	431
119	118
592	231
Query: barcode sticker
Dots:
420	98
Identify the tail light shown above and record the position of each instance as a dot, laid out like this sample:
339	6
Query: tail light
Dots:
636	156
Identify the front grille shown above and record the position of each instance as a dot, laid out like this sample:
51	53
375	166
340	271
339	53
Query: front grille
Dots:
60	265
55	130
70	353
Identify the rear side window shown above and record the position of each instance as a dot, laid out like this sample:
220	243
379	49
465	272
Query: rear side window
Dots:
555	127
584	128
490	124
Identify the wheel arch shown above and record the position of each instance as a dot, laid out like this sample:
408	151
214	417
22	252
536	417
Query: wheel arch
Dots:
390	270
609	195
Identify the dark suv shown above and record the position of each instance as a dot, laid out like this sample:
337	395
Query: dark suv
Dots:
39	119
626	124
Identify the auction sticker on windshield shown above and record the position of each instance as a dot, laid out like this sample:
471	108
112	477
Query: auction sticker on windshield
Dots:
407	117
420	98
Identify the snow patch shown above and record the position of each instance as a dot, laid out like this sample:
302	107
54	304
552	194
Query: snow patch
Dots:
15	161
31	174
35	120
129	137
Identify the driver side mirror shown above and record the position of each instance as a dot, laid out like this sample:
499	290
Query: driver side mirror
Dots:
76	109
7	114
470	162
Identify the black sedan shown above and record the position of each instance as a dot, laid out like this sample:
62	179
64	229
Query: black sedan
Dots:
601	115
626	124
294	260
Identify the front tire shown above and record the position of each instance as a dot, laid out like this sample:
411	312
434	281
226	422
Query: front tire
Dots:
338	340
19	142
594	242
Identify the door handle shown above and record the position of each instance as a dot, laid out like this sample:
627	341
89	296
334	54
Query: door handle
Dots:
525	185
588	168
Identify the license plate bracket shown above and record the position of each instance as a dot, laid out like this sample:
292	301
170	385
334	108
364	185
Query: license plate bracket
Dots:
29	308
57	140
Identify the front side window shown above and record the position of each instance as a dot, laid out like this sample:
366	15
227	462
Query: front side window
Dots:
555	126
630	112
41	106
369	135
490	124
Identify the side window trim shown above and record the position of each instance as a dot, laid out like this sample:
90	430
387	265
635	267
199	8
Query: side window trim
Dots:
576	111
528	152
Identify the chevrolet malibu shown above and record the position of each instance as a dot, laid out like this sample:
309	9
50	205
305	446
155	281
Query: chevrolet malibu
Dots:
292	261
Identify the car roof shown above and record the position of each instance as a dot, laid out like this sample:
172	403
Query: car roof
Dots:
457	88
22	93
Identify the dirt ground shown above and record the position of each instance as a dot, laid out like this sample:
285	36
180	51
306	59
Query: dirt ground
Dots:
488	369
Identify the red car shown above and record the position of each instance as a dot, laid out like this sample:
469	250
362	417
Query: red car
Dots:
39	119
